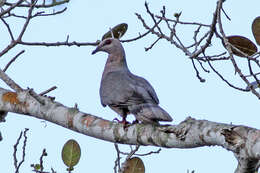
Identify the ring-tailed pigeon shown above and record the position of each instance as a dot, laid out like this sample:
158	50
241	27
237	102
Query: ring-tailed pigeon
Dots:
124	92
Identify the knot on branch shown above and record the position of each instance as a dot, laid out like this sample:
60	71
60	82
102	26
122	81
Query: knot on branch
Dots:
180	130
234	137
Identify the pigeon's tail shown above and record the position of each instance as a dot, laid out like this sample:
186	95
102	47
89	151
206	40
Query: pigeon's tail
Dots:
149	113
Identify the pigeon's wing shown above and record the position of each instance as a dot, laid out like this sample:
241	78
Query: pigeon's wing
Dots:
143	87
124	89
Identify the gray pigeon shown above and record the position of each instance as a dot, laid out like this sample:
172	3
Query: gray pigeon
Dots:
124	92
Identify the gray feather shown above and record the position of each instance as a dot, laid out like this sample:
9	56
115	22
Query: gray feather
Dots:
149	113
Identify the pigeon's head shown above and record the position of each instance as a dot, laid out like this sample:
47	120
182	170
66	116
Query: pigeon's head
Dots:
109	45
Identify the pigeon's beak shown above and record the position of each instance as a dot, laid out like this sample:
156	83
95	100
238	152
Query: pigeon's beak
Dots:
96	50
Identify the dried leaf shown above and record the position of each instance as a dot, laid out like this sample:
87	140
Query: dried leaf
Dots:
134	165
256	29
243	44
118	31
71	153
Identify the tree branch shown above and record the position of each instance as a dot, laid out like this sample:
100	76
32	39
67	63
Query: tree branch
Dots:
191	133
12	60
228	46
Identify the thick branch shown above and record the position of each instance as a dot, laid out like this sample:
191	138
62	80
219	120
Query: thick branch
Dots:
243	141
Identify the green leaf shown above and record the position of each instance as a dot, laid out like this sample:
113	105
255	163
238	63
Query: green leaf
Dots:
256	29
118	31
37	166
134	165
71	153
243	44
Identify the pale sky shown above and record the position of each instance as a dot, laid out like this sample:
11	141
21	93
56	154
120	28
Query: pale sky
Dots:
77	75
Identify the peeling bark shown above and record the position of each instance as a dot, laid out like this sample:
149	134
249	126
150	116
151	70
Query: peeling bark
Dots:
243	141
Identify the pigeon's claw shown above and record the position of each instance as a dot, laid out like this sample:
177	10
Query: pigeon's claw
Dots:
123	121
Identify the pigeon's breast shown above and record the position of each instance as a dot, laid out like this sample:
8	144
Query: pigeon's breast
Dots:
114	89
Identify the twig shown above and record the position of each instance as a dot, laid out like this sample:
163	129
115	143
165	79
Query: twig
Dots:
12	6
251	72
196	44
43	5
27	21
225	14
41	159
149	153
201	65
48	90
141	35
197	71
208	40
180	22
228	46
65	43
229	84
152	16
16	15
16	164
117	161
132	152
252	75
49	14
12	60
15	151
151	46
157	33
213	57
15	42
8	28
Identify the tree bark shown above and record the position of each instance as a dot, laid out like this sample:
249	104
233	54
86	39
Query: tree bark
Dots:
243	141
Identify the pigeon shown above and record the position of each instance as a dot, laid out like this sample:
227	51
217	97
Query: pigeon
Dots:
124	92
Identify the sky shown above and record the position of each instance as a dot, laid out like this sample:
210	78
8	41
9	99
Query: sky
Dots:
77	75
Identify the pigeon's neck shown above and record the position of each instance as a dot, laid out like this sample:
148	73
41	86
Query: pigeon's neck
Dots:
115	62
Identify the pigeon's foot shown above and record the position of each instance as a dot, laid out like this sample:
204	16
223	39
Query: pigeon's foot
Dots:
135	122
123	121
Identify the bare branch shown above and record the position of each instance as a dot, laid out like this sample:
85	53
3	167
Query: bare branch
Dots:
16	164
12	6
65	43
152	16
117	161
181	22
8	28
9	81
197	71
141	35
48	90
43	5
150	47
27	20
251	72
229	84
149	153
12	60
188	134
228	46
15	42
49	14
208	40
44	153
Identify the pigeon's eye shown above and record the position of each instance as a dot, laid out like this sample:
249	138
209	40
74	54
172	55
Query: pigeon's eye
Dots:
108	42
